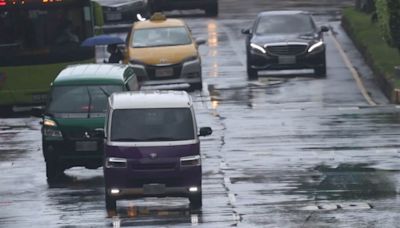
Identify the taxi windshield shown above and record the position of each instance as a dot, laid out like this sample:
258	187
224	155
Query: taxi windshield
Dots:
156	37
152	124
81	99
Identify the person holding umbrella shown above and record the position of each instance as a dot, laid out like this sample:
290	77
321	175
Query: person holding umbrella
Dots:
115	54
112	43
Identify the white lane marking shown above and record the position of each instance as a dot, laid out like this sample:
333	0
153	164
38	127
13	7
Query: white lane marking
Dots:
227	181
348	108
232	199
353	71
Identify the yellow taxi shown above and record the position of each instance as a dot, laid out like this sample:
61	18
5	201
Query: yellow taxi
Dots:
162	51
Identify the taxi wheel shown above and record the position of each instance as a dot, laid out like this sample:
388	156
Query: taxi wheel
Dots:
111	204
196	201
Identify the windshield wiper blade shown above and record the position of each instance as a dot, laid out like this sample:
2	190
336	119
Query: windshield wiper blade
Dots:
126	140
90	102
104	91
160	139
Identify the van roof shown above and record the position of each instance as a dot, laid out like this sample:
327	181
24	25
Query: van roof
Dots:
93	74
150	99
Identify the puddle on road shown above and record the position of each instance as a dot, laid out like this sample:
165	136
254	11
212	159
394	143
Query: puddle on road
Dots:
350	182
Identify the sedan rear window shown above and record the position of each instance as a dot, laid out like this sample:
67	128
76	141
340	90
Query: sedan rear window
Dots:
285	24
149	125
156	37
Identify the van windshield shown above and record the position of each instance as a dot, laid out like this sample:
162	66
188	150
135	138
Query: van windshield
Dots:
81	99
149	125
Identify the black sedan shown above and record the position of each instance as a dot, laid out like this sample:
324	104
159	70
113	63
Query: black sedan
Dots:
280	40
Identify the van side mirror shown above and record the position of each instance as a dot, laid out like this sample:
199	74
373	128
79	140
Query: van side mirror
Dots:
324	28
200	41
99	132
205	131
37	112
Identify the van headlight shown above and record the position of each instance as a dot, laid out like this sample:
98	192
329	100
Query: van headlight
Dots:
116	162
191	161
50	129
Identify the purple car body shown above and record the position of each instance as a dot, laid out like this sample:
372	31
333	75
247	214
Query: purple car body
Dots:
152	147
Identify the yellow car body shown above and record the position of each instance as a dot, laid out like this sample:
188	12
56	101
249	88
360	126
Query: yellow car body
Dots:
163	51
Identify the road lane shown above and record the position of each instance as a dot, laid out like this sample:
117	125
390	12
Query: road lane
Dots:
287	151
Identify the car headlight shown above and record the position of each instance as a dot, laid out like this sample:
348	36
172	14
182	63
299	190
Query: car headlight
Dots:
191	160
50	128
315	46
116	162
258	48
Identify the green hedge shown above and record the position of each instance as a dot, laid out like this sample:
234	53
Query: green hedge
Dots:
388	12
366	35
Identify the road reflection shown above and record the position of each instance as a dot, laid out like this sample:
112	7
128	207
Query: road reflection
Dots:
350	182
154	211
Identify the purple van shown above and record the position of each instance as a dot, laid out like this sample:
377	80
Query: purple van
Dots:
152	147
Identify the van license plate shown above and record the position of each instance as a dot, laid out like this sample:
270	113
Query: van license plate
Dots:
164	72
86	146
154	189
287	59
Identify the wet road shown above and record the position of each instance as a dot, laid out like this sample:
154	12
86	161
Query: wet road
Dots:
288	150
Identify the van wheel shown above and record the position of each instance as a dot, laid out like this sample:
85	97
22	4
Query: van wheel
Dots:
111	204
53	169
196	201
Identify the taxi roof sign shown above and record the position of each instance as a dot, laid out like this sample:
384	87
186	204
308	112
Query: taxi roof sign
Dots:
158	16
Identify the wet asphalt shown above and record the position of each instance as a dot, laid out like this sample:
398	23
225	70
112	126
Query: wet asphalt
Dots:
288	150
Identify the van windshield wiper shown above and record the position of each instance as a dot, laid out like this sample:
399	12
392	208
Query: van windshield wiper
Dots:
160	139
90	102
126	140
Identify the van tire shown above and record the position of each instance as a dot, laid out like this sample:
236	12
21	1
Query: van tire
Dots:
196	200
53	169
111	204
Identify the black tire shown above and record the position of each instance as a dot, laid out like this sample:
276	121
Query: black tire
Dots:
111	204
251	73
53	170
6	111
212	9
320	71
196	86
196	200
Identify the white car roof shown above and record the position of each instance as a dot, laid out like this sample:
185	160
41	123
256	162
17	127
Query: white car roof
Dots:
150	99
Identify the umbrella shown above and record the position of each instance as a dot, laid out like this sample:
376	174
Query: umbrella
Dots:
102	40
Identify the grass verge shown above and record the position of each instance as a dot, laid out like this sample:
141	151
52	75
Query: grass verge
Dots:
368	39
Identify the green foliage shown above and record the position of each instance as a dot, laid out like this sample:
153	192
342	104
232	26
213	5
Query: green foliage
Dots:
368	38
98	17
388	12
